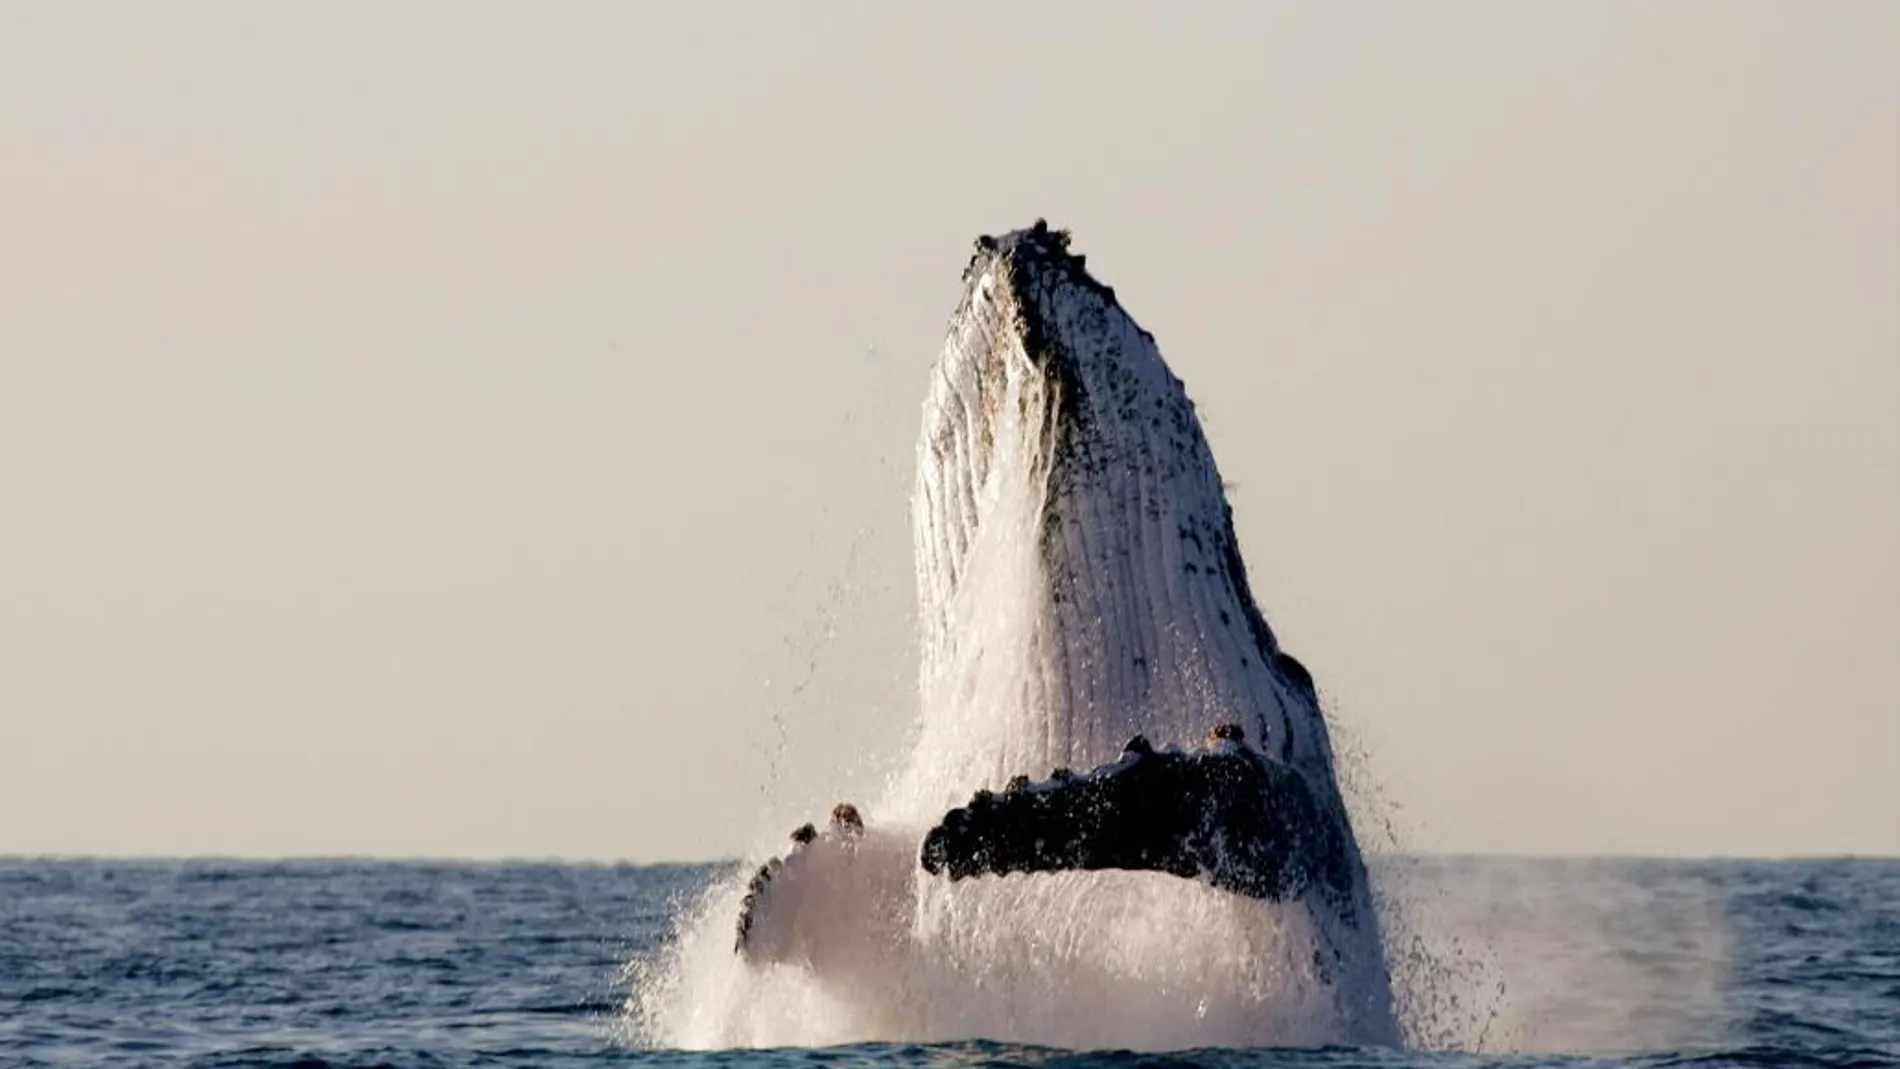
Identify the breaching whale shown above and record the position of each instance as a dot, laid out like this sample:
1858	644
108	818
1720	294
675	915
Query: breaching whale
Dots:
1082	604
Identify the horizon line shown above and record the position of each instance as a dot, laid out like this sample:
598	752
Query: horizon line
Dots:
596	861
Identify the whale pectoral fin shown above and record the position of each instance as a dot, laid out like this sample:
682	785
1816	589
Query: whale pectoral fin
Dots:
777	891
1244	823
758	889
753	901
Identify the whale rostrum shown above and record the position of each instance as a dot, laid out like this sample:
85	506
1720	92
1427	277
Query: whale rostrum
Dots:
1082	603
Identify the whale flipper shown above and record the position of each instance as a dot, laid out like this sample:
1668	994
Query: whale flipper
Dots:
835	896
1244	822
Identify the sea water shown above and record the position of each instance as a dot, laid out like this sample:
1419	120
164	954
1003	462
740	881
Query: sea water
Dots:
360	963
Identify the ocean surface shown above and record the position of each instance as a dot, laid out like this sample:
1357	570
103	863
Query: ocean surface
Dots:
356	963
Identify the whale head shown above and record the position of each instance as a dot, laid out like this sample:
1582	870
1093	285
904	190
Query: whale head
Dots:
1052	413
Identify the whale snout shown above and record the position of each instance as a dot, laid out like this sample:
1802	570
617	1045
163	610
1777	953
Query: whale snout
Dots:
1037	358
1031	294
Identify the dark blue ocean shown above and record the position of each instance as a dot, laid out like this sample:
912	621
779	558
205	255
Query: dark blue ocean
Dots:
354	963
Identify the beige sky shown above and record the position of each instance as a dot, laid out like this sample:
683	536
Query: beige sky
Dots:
473	430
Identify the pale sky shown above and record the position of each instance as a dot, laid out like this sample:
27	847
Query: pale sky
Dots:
476	430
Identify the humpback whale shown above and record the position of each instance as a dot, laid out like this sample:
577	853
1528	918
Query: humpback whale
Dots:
1082	603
